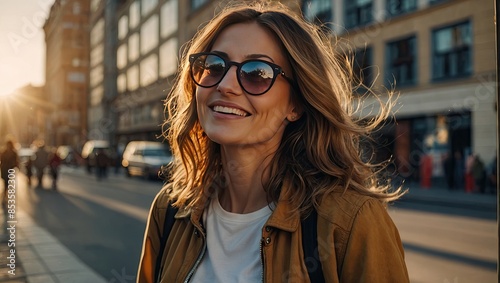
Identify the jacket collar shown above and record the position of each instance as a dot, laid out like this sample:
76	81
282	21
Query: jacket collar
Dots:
282	217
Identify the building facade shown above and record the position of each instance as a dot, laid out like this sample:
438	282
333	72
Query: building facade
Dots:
67	48
438	55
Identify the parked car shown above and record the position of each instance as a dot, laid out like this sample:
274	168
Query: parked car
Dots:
145	158
90	149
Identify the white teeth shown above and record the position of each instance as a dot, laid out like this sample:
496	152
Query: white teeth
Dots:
229	110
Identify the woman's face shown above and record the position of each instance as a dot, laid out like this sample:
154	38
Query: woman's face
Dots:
229	115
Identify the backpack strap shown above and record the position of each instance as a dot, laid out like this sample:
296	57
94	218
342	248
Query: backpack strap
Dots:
310	247
169	222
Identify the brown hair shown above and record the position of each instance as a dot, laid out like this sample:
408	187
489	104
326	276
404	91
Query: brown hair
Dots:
318	153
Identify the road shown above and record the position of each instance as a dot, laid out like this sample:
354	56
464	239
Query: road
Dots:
103	222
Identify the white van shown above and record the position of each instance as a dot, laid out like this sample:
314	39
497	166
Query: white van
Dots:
145	158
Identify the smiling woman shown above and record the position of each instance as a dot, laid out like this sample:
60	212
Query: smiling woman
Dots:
267	155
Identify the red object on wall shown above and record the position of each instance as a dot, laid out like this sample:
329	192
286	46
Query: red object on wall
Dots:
426	172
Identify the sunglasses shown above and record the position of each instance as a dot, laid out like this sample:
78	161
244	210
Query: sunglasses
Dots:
255	76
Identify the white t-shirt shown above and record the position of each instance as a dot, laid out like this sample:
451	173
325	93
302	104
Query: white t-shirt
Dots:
233	245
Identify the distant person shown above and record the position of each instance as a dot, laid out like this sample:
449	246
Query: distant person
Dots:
458	170
8	161
479	174
469	178
29	170
102	161
40	163
54	164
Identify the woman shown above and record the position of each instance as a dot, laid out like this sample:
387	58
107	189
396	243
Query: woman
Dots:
260	124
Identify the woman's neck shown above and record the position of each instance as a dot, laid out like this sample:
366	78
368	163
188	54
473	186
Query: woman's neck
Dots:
245	171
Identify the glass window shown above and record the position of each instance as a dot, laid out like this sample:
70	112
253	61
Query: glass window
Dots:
97	33
398	7
195	4
96	75
149	70
149	34
121	56
96	95
452	54
135	15
94	5
148	6
402	61
133	47
76	77
169	13
168	58
96	55
121	83
317	11
358	12
122	27
133	78
362	67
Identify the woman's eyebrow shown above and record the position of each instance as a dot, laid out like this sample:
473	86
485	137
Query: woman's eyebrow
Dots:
249	56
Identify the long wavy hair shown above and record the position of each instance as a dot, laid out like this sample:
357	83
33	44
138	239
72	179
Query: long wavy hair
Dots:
319	153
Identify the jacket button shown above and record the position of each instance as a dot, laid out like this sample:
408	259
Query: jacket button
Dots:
197	233
268	229
268	240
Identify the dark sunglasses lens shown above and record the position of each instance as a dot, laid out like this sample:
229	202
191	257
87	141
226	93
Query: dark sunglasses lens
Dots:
256	77
208	70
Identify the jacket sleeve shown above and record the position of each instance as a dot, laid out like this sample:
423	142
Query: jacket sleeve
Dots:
374	251
152	238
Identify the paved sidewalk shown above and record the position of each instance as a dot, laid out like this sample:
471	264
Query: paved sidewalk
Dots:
38	256
441	196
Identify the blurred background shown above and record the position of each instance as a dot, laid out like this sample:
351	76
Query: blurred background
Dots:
87	79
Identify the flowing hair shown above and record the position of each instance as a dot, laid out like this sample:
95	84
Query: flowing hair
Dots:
319	153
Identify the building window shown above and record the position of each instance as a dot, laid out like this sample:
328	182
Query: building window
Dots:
121	56
77	8
358	12
133	78
122	27
402	62
121	83
134	14
96	55
168	58
362	67
96	75
452	54
96	95
195	4
149	35
398	7
317	11
169	18
149	70
97	33
133	47
148	6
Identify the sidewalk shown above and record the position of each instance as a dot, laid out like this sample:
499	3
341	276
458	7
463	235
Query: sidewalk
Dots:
441	196
30	254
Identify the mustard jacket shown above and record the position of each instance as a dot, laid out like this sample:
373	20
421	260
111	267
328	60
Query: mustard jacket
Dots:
357	242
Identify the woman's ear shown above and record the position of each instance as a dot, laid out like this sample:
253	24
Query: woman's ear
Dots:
294	115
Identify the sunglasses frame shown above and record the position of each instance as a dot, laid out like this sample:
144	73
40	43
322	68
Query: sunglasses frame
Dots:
277	70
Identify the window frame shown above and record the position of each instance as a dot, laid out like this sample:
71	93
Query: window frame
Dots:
353	7
394	69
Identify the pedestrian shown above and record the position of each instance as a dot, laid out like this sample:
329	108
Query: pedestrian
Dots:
458	170
102	161
264	139
54	164
40	163
479	174
29	170
8	161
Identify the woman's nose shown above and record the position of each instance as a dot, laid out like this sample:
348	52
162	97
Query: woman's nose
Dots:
229	83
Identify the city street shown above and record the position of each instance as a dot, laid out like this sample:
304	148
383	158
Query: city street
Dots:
103	222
